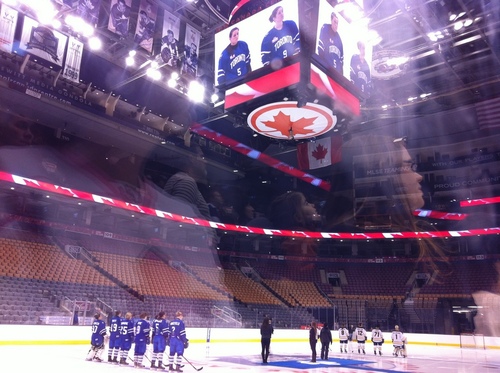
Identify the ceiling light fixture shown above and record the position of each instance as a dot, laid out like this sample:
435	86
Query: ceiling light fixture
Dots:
457	26
130	61
95	43
468	22
153	73
196	91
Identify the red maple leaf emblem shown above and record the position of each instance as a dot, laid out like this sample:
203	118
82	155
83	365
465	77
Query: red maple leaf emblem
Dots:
282	123
320	152
299	126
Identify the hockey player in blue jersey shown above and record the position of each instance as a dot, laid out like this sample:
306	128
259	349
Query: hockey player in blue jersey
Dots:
178	341
282	41
160	337
360	70
330	47
97	339
126	337
114	337
141	339
234	61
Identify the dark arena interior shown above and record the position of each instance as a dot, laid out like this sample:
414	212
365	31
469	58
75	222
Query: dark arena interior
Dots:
330	161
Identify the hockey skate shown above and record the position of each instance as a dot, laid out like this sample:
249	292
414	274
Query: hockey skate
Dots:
160	366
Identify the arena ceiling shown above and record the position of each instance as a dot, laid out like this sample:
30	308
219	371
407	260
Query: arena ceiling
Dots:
452	45
447	66
452	52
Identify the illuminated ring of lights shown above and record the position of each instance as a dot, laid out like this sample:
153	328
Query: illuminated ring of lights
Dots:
73	193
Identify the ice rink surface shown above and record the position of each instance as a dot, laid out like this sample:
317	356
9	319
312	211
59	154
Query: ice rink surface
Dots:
284	357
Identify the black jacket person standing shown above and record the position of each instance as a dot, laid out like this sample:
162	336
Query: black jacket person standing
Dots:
266	330
325	336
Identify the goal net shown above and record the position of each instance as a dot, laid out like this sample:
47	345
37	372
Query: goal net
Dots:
470	340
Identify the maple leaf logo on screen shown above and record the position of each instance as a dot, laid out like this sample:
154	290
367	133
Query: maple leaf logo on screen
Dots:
282	123
320	152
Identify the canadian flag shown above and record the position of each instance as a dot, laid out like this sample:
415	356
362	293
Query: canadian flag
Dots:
319	153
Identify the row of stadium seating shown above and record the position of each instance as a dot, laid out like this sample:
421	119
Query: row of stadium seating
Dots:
39	275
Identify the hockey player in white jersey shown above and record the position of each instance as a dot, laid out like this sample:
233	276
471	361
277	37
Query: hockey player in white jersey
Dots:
378	340
343	338
398	341
360	335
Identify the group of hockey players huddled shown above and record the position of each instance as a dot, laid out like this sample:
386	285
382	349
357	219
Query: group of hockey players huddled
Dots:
123	332
357	337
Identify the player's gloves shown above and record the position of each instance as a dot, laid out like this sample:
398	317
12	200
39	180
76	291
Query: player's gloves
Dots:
148	340
167	341
383	340
186	343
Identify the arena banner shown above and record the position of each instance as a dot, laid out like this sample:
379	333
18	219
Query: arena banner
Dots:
170	53
191	45
146	24
43	42
8	22
73	61
119	17
88	10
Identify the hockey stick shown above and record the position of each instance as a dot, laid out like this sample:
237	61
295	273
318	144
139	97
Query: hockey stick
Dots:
197	369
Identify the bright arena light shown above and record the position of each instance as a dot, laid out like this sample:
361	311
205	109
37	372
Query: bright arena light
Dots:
458	25
76	23
95	43
196	91
130	61
87	30
171	83
45	12
153	73
56	24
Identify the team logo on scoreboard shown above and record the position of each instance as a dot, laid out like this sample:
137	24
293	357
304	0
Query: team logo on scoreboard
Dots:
285	121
